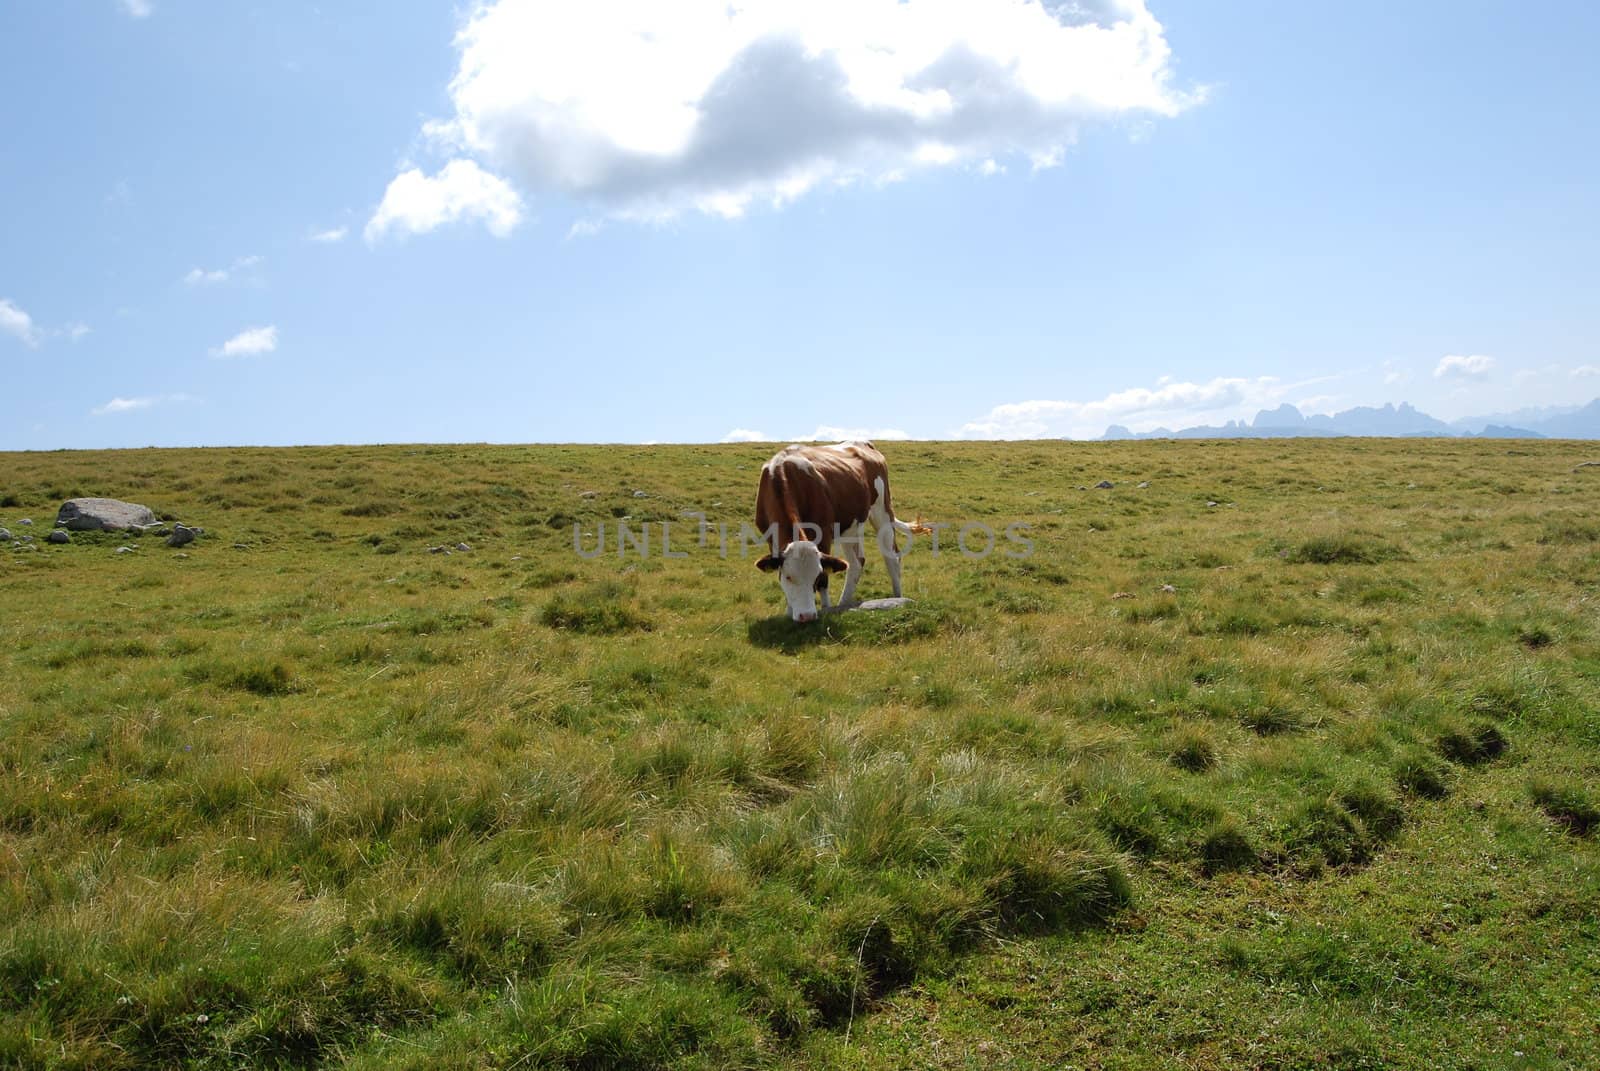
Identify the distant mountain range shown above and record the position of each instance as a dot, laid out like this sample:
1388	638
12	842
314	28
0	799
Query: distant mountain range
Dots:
1548	422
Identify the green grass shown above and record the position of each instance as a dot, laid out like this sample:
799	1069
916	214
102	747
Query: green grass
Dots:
325	798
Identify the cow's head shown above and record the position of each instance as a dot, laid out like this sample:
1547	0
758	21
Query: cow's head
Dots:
802	569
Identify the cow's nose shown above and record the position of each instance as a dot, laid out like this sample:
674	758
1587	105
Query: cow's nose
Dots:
806	619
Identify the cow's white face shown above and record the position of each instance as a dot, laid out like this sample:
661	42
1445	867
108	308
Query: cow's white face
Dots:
800	573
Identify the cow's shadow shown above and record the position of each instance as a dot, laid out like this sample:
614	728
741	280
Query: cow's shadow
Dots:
783	633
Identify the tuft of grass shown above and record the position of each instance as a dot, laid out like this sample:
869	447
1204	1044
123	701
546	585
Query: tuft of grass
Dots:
1420	773
1474	745
1568	803
1569	531
1226	847
1195	751
1341	549
595	612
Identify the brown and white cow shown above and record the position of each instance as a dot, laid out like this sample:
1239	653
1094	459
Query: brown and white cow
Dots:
812	495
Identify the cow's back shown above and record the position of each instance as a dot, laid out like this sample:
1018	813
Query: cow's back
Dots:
831	487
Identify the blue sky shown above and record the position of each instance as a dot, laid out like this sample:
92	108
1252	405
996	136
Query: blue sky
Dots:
284	223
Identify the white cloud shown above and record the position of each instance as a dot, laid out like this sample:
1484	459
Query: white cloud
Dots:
655	109
17	323
1453	367
136	9
333	234
75	332
1168	404
834	433
128	405
823	433
416	204
203	277
1584	371
250	342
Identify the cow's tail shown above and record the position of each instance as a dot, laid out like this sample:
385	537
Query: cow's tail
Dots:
914	528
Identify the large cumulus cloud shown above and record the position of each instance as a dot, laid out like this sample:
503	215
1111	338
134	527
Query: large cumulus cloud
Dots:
648	110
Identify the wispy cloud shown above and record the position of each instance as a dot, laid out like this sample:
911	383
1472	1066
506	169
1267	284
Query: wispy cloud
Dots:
130	405
823	433
17	323
1476	366
1585	371
332	234
76	332
204	277
251	342
835	433
136	9
1139	408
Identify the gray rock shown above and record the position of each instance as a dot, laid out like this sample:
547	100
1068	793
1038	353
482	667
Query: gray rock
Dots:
1210	503
641	494
26	521
103	514
1104	485
1143	484
126	550
463	546
1168	589
5	536
588	494
58	536
180	537
874	604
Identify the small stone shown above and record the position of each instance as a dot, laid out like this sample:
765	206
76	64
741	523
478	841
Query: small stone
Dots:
126	550
241	546
1211	504
589	494
180	536
25	522
436	550
641	494
516	557
1143	484
58	536
181	554
5	536
463	546
1168	589
1104	485
1123	595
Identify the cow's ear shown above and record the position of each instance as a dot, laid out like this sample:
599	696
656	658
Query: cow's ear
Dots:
834	565
769	563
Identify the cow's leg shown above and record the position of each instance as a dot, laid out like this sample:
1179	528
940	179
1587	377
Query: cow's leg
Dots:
856	554
891	556
883	524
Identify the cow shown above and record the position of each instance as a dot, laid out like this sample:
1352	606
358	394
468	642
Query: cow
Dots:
810	496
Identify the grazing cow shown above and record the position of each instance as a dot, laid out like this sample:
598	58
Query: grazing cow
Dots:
812	495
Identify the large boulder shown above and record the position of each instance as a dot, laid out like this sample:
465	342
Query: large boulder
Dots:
102	514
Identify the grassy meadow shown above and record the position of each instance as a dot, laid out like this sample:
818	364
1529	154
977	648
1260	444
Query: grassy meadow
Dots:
305	793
